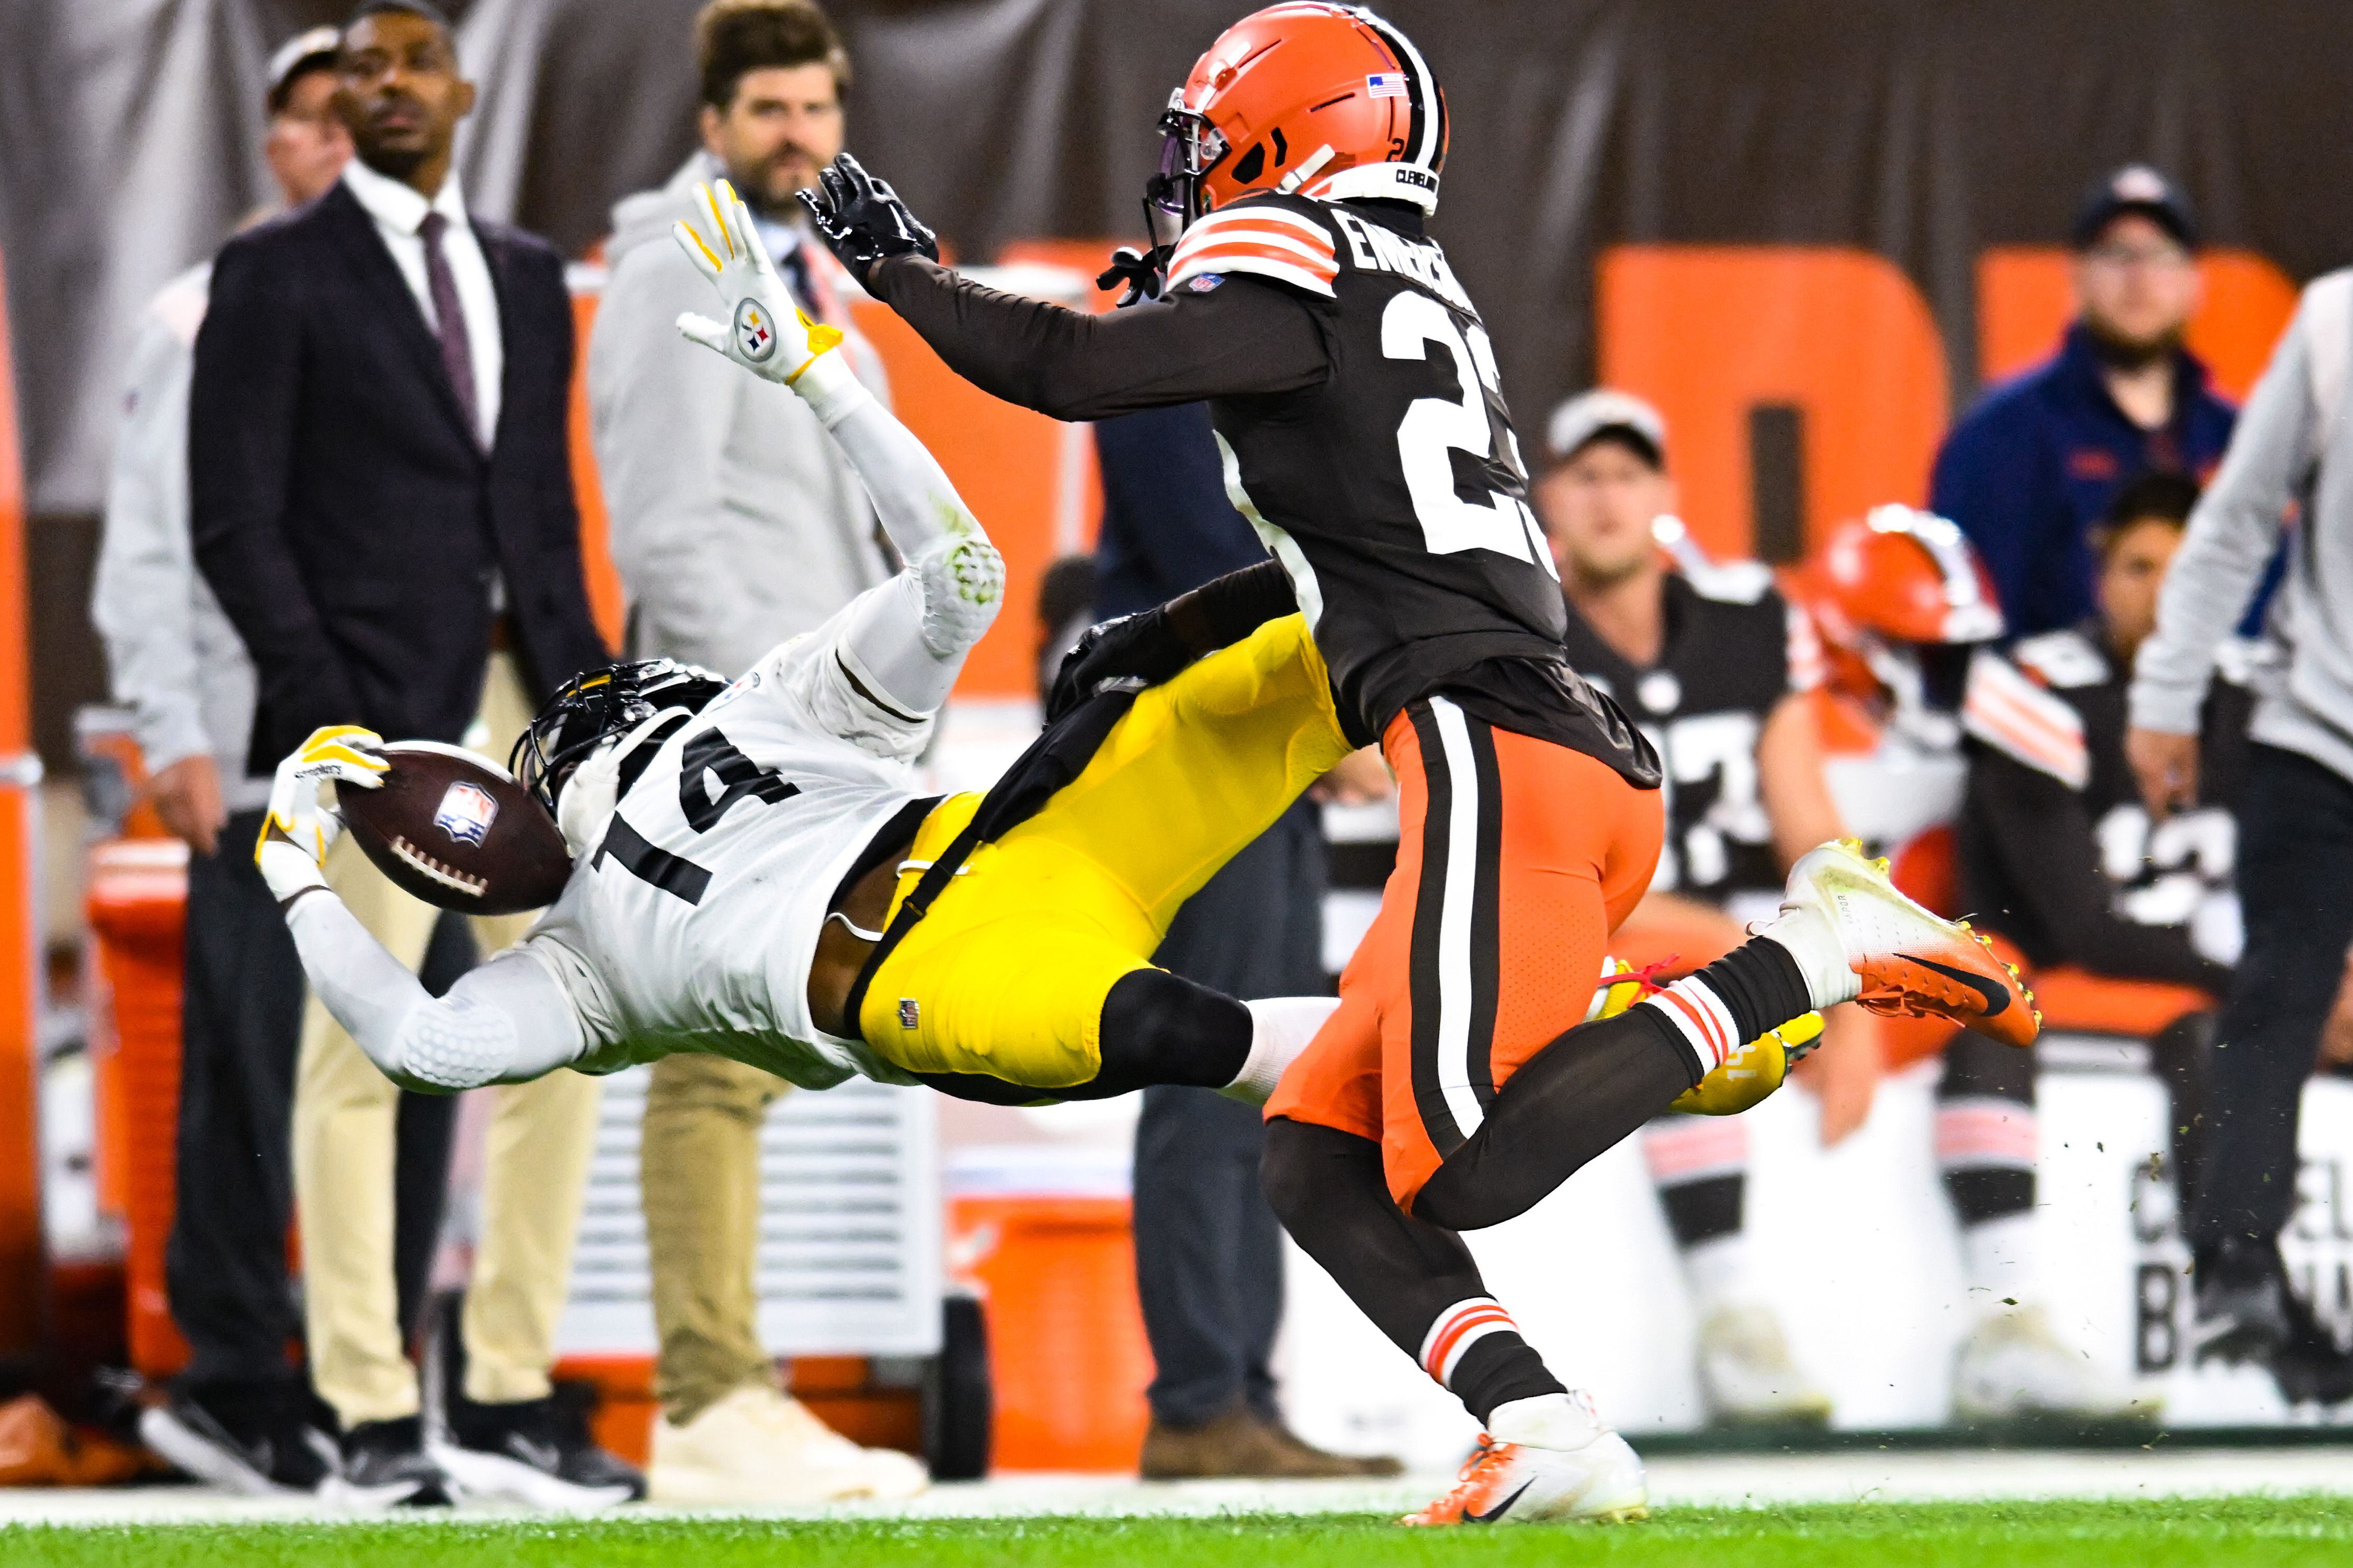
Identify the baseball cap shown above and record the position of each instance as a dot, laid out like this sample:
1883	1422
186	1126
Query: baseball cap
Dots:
1605	411
2135	188
303	51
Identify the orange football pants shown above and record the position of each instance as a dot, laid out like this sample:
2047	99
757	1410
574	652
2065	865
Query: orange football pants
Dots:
1517	859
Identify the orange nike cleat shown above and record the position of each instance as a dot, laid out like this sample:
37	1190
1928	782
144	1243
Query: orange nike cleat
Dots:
1519	1483
1911	963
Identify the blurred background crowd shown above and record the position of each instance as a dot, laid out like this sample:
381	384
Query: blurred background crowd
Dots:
1936	423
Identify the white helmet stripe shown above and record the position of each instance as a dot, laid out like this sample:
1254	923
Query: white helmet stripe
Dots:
1422	87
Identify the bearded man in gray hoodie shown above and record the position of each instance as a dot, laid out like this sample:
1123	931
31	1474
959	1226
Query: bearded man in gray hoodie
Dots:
736	524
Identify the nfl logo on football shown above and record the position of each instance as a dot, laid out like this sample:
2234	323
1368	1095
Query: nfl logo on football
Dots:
466	814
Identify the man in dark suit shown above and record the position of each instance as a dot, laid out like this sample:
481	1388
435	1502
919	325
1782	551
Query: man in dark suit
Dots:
382	501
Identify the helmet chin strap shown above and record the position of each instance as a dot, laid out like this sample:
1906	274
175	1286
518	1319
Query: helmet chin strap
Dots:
1309	167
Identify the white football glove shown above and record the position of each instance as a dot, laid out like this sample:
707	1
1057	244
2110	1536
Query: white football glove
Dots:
962	581
767	333
299	831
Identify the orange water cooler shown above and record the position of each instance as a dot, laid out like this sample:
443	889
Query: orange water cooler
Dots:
1049	1248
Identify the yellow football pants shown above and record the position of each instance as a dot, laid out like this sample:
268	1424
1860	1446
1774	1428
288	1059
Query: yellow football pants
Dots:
1008	973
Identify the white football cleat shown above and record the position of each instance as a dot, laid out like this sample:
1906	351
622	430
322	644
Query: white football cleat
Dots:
1746	1376
2015	1365
1519	1483
1909	960
757	1446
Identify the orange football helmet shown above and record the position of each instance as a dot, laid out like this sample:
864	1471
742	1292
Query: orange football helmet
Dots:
1325	99
1899	598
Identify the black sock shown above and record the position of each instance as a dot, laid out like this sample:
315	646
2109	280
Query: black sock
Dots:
1760	985
1703	1210
1498	1369
1157	1029
1574	1099
1403	1273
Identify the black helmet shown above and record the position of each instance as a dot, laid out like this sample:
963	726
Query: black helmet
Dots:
608	701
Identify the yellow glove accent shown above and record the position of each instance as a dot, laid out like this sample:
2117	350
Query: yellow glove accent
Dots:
353	744
820	337
1751	1072
1746	1076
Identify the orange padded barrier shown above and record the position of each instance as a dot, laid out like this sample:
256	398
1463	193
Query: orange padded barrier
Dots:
1066	1350
20	940
138	900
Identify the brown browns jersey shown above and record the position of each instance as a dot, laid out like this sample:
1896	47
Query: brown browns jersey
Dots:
1393	490
1353	389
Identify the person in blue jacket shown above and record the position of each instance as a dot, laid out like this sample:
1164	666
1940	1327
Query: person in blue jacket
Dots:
2031	469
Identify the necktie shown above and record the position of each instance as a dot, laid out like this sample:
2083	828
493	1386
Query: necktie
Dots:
449	320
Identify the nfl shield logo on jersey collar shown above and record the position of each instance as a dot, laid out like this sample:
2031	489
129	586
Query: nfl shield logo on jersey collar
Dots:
466	814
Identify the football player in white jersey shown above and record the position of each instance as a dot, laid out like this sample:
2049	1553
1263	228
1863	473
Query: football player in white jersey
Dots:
740	850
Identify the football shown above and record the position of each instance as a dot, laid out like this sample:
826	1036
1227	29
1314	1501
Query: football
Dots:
455	830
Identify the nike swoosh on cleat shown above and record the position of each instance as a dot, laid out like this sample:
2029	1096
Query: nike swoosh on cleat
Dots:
1996	998
1496	1512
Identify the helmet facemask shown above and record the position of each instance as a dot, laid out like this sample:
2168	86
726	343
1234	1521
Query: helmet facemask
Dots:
1190	147
591	709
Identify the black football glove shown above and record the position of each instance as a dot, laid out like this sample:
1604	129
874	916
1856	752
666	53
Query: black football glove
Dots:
1142	275
1143	648
863	220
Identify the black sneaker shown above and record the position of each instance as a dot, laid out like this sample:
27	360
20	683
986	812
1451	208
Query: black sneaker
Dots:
386	1466
535	1451
2247	1312
251	1439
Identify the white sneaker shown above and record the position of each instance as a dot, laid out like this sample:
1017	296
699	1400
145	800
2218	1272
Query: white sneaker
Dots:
1907	959
2015	1364
1519	1483
1746	1374
757	1446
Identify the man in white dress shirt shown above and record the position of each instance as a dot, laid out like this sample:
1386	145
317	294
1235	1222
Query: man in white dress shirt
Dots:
381	499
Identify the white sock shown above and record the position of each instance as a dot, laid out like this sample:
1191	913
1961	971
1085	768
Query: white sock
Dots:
1702	1019
2000	1259
1281	1027
1564	1421
1716	1270
1822	957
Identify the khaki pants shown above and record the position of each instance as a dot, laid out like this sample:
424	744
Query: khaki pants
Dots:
536	1169
699	1173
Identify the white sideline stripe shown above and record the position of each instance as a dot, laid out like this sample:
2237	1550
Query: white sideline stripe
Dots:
1454	918
1728	1481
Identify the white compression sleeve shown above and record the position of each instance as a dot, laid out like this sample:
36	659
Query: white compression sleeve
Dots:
907	641
1281	1027
506	1022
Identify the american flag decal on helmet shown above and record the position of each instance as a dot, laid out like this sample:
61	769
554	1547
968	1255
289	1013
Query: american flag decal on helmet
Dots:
910	1013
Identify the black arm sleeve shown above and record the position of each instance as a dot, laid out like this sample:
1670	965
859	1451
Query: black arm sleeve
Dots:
1224	610
2039	832
1242	338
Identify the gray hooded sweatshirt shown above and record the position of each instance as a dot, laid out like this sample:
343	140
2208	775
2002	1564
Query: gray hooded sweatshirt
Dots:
735	523
2292	447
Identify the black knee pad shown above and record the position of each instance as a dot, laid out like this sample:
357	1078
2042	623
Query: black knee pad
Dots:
1158	1027
1976	1068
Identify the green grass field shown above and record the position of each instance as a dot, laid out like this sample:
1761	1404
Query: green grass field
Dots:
2209	1533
